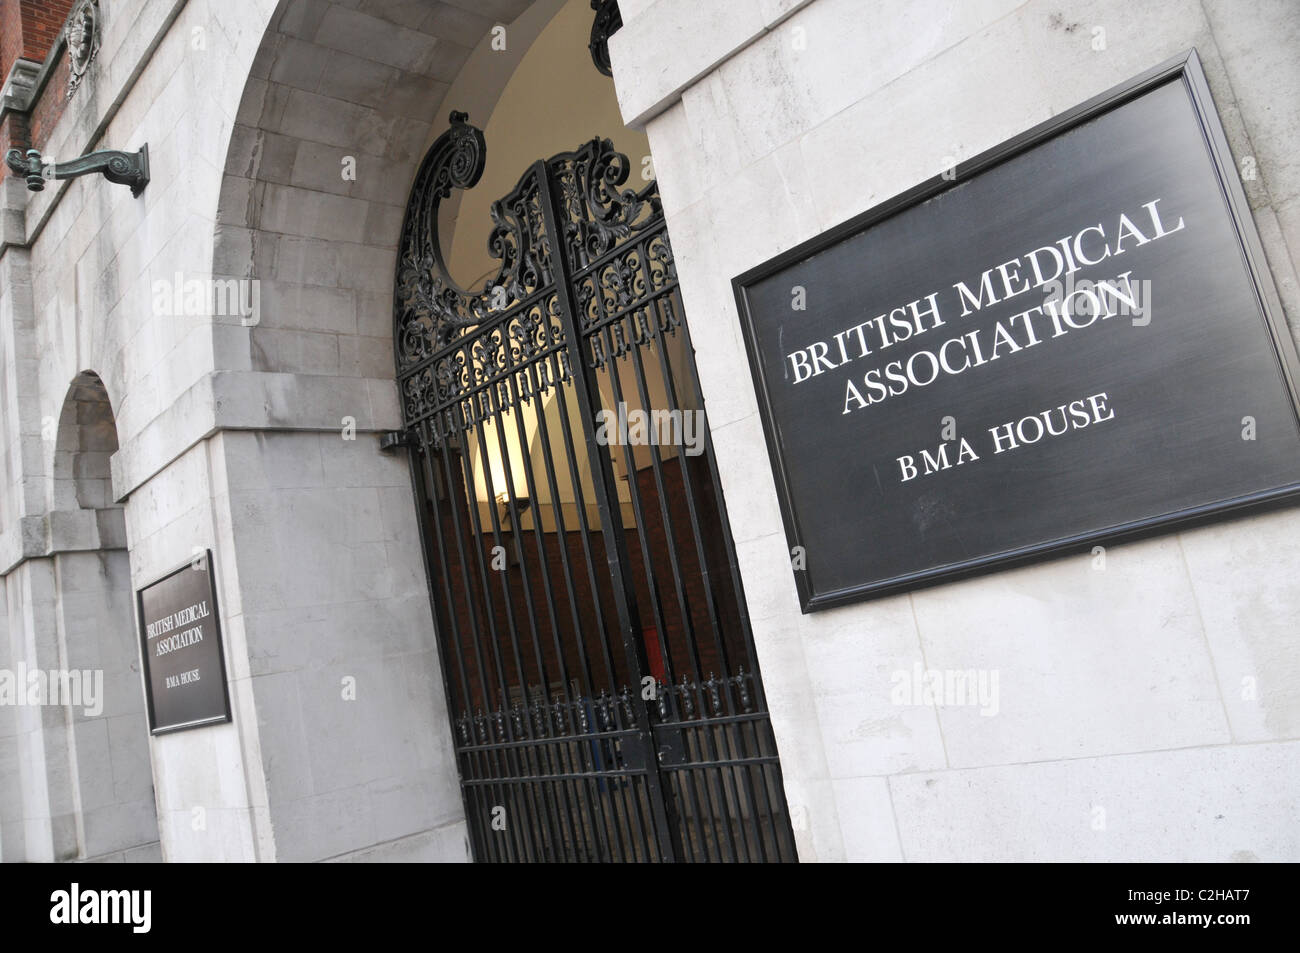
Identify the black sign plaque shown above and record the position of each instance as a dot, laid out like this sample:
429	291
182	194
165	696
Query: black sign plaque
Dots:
180	638
1068	340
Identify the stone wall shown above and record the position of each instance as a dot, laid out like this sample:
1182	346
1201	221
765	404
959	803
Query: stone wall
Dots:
770	120
1149	711
252	435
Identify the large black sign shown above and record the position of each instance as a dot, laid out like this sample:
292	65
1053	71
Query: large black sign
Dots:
180	637
1072	338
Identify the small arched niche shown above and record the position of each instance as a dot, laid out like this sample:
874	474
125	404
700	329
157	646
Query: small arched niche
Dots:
101	785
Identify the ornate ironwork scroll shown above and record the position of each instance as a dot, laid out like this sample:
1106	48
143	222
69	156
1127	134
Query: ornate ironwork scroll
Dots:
608	21
458	349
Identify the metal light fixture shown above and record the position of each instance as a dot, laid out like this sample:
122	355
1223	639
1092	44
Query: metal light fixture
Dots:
124	168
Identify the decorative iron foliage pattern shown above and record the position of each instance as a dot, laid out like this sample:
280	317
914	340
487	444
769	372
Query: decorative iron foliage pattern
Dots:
464	354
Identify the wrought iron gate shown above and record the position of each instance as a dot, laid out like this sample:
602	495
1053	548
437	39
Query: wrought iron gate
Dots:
596	651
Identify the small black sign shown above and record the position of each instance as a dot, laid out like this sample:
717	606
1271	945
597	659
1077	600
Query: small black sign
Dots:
180	638
1072	338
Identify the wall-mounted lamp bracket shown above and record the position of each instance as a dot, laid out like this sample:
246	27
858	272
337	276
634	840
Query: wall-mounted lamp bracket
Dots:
124	168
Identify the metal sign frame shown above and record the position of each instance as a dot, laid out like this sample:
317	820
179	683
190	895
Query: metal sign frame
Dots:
221	718
1186	69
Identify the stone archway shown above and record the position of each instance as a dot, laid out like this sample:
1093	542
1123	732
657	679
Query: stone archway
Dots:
325	574
97	759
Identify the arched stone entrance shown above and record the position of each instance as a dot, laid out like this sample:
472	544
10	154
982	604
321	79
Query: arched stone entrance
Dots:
110	778
80	748
324	568
328	600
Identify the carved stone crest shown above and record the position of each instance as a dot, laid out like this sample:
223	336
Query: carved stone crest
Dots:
83	35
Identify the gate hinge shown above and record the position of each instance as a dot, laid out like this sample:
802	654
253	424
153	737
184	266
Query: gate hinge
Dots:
391	440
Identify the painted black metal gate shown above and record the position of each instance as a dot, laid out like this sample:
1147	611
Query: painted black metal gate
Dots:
596	651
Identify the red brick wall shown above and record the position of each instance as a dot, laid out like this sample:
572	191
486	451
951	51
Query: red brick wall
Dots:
49	106
13	133
42	20
11	34
29	29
